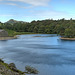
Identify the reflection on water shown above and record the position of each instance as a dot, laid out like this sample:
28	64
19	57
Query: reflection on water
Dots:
49	54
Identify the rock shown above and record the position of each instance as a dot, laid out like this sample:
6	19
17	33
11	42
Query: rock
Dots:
5	70
10	69
13	67
3	33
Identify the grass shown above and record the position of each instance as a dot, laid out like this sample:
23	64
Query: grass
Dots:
13	33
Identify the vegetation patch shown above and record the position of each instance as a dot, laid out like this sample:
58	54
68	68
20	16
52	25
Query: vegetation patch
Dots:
10	69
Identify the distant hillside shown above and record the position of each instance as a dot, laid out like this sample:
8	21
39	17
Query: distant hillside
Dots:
12	21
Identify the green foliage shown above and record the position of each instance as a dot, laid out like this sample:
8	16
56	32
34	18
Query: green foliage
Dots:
69	33
1	60
66	28
13	33
31	70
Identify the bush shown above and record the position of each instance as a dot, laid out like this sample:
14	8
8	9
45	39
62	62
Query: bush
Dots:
1	60
31	70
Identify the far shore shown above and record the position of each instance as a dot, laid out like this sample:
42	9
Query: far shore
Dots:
9	38
62	38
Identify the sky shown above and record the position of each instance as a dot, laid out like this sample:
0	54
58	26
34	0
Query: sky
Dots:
29	10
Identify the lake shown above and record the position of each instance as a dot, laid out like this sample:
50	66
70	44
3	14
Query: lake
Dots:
45	52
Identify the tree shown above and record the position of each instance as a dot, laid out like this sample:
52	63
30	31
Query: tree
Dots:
69	33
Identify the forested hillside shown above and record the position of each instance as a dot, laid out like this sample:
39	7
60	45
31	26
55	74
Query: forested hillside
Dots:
63	27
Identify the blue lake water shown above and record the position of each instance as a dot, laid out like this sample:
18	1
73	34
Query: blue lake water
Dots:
49	54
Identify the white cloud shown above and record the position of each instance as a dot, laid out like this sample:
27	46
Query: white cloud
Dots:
11	4
34	2
14	4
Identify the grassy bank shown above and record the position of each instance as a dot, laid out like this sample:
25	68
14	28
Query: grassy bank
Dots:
14	33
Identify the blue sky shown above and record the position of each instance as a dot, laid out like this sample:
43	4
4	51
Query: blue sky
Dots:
28	10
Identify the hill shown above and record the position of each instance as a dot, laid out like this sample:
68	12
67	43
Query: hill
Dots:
12	21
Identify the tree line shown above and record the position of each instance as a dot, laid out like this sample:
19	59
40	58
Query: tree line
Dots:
65	28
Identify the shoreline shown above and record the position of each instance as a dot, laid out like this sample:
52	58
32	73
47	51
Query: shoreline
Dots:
8	38
9	69
62	38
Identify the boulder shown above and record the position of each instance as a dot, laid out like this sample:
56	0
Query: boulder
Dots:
3	33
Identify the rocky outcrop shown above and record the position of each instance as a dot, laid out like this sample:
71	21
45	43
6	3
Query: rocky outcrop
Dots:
9	69
3	33
13	67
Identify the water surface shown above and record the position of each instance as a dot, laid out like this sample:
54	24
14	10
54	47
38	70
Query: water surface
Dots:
49	54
